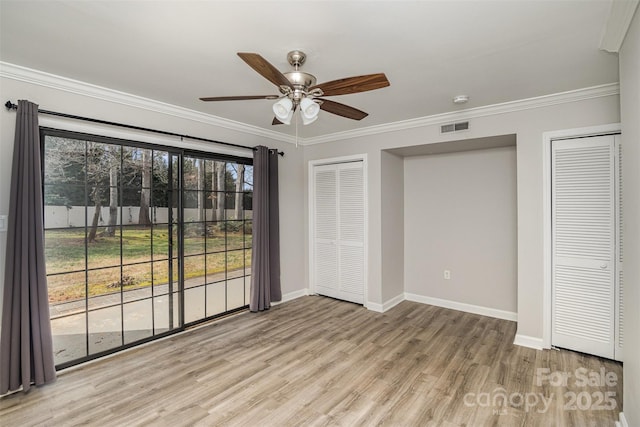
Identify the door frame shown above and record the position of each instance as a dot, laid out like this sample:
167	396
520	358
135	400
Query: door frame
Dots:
159	143
311	220
547	249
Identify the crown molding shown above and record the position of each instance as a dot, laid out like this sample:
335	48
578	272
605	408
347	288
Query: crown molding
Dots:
610	89
615	30
28	75
52	81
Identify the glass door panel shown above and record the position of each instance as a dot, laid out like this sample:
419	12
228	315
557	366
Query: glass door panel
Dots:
217	235
108	249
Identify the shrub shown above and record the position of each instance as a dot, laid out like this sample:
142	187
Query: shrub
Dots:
230	226
193	230
248	227
126	281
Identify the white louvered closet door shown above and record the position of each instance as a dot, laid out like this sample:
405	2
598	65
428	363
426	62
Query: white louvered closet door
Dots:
619	255
585	222
339	207
325	248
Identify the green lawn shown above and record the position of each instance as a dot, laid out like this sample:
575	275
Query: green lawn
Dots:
149	253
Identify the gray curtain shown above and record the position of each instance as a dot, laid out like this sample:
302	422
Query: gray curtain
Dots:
265	267
26	350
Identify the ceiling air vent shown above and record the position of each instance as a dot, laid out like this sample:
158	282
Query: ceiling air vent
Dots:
454	127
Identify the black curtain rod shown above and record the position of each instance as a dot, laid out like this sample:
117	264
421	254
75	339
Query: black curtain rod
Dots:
11	106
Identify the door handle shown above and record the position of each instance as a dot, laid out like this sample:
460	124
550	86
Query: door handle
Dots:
603	266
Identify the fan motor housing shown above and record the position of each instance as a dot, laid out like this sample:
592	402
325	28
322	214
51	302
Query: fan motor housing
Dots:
300	78
301	82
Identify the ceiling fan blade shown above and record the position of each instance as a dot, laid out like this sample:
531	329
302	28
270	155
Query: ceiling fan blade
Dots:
238	98
265	69
353	84
342	110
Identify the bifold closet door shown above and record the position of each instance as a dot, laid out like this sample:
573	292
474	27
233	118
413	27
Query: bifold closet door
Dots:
585	241
338	231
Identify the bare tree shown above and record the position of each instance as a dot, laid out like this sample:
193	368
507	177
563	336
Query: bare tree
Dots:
239	187
220	181
97	173
145	193
93	231
202	199
114	167
64	161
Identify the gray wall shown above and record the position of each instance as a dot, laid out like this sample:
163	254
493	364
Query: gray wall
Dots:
528	124
392	187
630	115
460	215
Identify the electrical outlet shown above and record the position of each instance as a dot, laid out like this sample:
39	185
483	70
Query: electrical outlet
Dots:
447	274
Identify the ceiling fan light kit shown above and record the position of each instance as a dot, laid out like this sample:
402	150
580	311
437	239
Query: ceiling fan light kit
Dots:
299	89
283	109
309	110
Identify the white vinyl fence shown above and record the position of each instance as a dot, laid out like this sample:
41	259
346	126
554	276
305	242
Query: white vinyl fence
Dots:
76	216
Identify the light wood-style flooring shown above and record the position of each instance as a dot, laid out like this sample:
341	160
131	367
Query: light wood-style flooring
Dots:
318	361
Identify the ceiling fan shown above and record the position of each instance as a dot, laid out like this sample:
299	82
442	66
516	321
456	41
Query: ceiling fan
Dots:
299	90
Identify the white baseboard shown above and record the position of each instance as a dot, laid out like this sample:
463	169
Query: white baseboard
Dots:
381	308
374	306
460	306
623	421
527	341
292	295
393	302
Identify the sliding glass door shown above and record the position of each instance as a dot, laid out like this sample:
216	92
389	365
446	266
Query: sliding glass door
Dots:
139	241
217	236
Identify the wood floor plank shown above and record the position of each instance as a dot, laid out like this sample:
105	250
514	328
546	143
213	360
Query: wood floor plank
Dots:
317	361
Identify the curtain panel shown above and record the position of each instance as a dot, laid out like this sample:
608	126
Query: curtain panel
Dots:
265	268
26	350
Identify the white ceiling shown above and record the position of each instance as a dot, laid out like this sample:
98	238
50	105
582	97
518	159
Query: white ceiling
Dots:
178	51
